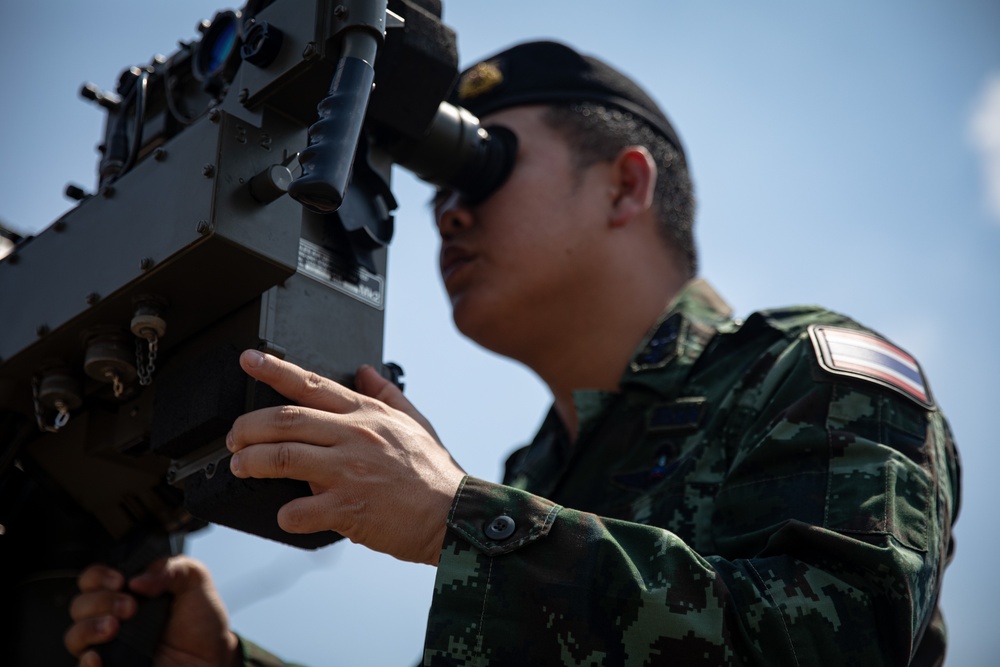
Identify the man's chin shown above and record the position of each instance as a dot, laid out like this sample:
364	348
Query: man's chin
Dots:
474	319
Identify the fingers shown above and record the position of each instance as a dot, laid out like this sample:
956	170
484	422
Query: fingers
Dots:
98	611
296	384
286	423
90	659
293	460
90	632
100	577
99	604
320	402
310	514
371	383
177	575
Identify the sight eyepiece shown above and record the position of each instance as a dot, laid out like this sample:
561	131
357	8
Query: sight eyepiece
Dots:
457	153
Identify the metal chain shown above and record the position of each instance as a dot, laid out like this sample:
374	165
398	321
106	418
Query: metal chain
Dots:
145	362
154	348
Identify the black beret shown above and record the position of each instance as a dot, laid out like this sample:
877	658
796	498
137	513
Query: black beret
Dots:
550	72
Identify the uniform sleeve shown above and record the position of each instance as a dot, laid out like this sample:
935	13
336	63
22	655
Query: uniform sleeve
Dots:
831	530
255	656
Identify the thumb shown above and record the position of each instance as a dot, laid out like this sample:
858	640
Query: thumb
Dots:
371	383
175	575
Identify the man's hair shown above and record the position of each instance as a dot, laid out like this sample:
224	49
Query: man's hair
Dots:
597	133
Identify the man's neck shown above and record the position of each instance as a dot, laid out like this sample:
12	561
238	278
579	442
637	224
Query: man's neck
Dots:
596	356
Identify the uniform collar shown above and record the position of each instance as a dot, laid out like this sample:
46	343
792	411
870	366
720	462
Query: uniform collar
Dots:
665	355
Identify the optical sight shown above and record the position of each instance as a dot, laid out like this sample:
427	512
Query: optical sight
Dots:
119	373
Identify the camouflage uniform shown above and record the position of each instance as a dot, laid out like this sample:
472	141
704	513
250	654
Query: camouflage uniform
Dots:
737	502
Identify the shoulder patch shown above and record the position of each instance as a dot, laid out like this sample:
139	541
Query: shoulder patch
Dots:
864	355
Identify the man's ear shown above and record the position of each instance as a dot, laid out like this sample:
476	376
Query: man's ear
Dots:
633	174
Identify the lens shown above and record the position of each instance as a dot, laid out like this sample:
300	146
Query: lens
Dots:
218	53
221	47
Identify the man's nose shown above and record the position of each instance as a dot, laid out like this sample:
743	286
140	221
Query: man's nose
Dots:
452	215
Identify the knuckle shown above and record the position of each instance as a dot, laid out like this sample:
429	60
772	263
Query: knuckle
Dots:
97	577
313	385
281	458
83	634
286	417
89	605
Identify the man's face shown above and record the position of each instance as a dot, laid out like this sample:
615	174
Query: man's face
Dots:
517	265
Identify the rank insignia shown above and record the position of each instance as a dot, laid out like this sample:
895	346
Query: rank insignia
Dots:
661	347
866	356
681	416
479	80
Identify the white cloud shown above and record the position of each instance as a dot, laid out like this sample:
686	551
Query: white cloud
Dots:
984	131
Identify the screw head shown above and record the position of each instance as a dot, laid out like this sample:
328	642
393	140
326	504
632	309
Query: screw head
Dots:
93	298
208	170
146	263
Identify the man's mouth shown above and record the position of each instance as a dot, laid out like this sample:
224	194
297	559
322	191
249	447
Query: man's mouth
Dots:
453	259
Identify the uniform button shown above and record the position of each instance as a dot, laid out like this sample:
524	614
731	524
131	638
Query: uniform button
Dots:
500	528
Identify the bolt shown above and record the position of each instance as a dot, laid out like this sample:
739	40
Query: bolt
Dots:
204	227
93	298
310	51
41	330
244	95
340	12
209	470
75	192
146	263
214	115
208	170
59	225
107	192
160	154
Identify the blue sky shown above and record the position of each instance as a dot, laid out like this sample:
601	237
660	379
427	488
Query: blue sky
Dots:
844	153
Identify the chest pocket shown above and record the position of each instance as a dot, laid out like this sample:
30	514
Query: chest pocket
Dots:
671	476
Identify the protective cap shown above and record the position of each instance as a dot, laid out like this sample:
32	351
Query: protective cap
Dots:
549	72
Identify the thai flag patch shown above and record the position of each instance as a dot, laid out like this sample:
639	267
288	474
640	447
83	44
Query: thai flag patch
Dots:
864	355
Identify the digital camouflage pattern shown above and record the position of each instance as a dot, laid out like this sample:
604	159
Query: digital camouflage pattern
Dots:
255	656
733	504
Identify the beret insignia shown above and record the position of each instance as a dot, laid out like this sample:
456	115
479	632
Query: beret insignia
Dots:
480	79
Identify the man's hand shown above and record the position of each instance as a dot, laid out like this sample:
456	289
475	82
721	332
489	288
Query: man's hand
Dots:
378	473
197	631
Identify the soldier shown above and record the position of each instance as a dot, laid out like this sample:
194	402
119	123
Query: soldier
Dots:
704	490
